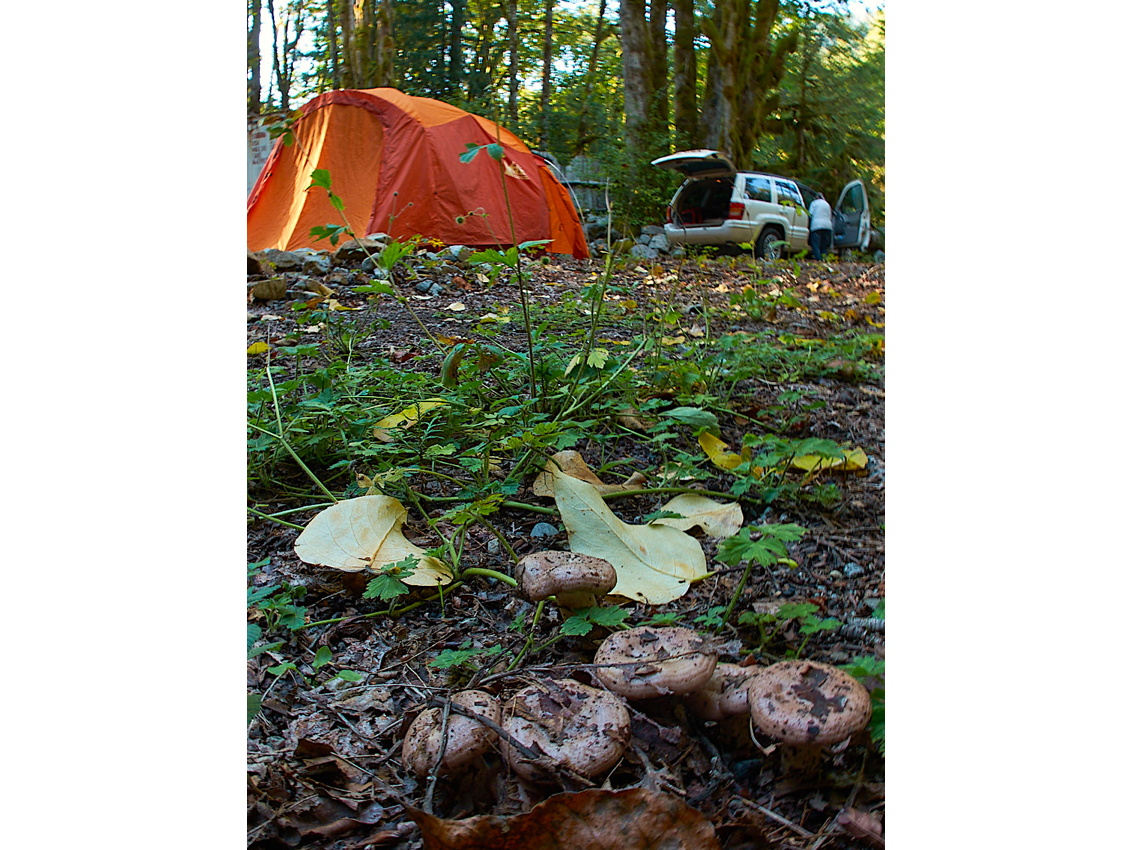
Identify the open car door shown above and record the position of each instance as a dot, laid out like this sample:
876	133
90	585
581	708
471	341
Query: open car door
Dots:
851	217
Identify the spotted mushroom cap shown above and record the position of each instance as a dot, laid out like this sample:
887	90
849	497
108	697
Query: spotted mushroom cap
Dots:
571	724
806	702
565	575
654	661
467	738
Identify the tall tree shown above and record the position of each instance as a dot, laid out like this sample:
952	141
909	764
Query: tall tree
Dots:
286	32
548	59
639	55
583	136
334	75
744	69
512	63
367	43
456	48
685	114
254	7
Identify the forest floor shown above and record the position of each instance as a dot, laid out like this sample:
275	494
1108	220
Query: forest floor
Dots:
324	750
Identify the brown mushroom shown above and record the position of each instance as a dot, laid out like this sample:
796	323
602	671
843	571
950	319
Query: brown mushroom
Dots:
807	705
572	726
575	580
651	662
723	695
467	738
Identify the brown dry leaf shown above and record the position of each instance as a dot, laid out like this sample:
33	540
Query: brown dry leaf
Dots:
719	520
654	563
365	534
861	824
571	463
636	819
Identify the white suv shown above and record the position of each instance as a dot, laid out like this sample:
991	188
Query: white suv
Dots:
718	205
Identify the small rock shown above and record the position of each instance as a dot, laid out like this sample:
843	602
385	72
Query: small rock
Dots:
493	546
660	242
269	290
851	569
644	252
652	230
280	261
544	529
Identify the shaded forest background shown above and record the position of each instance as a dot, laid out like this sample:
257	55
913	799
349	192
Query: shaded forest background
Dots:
794	88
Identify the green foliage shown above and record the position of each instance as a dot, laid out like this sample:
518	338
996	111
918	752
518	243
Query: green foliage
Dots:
870	672
277	603
450	658
768	548
389	583
583	621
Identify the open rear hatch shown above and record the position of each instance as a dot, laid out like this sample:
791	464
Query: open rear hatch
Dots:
706	199
698	163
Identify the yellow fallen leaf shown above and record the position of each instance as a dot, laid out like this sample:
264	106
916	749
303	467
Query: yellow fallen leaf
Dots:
718	452
855	459
672	340
570	463
405	418
654	563
365	534
258	348
456	306
719	520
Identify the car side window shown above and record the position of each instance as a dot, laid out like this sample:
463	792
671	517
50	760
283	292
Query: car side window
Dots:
788	194
852	203
758	189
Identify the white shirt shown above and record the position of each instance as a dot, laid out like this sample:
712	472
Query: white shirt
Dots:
821	217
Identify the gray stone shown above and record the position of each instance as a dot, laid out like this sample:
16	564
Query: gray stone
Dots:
851	569
652	230
644	252
544	529
660	242
281	261
458	253
383	238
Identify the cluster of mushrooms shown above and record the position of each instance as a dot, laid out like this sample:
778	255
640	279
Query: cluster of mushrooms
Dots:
562	728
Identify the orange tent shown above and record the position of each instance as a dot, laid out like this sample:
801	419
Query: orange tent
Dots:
394	160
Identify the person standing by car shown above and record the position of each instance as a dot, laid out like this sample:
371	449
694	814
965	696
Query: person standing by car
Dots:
821	227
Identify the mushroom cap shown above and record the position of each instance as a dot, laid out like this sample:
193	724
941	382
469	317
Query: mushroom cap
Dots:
724	694
669	660
549	573
806	702
467	738
575	726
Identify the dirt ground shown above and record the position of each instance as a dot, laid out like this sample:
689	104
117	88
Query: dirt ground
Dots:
324	755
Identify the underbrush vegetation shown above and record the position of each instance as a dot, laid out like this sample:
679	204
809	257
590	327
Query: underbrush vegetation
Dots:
750	383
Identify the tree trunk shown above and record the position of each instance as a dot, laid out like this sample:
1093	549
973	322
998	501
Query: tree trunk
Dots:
684	75
456	49
512	64
636	71
743	73
659	61
335	74
545	92
582	137
254	58
367	43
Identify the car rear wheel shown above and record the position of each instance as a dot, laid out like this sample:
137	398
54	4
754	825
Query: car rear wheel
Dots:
768	247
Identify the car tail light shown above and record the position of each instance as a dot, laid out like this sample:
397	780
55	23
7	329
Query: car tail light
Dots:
735	210
669	214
